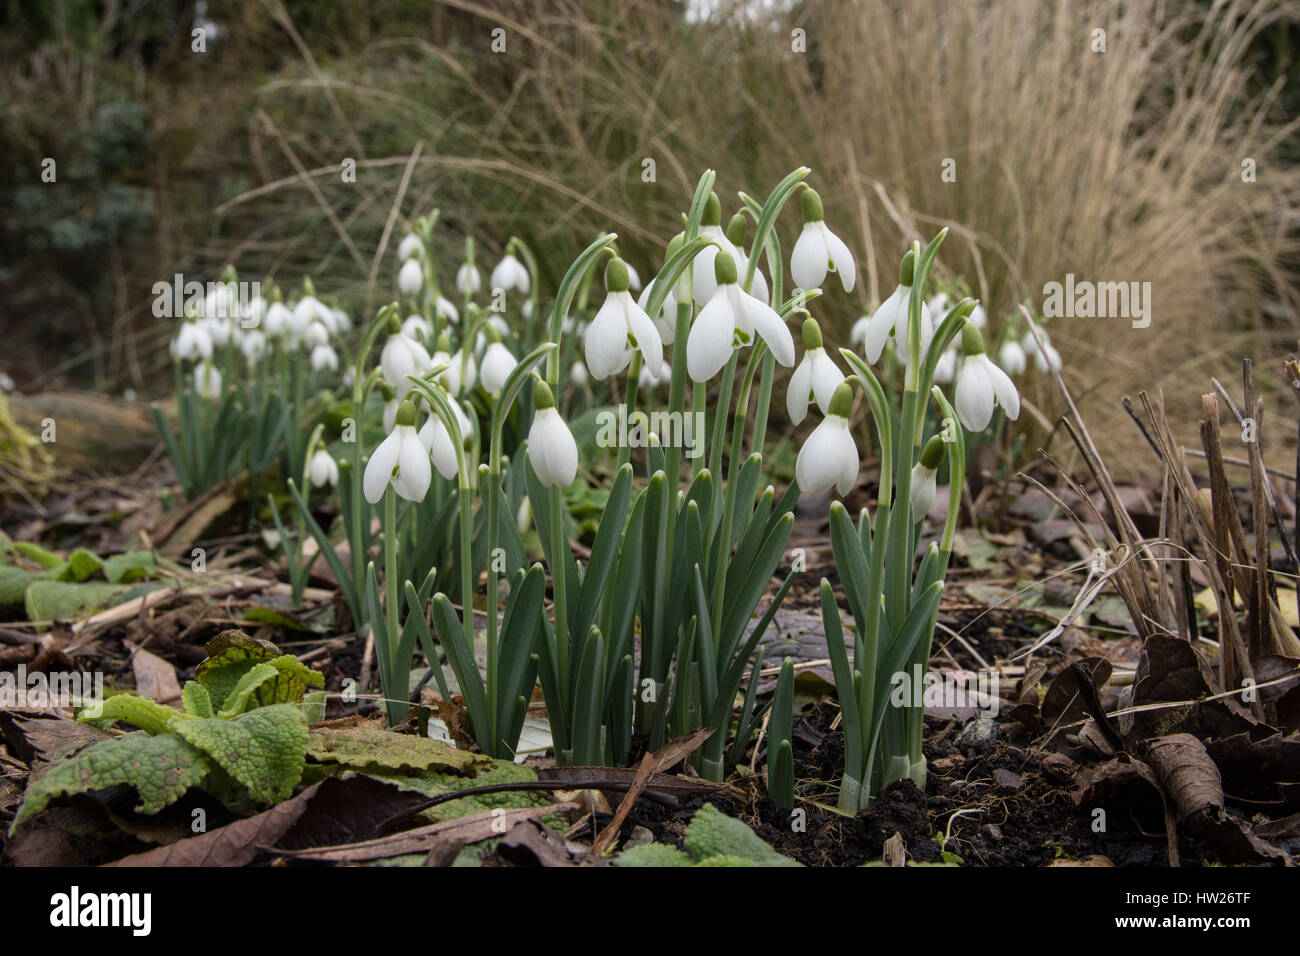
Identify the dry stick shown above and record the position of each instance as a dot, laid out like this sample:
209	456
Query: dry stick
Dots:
1254	449
1243	463
605	838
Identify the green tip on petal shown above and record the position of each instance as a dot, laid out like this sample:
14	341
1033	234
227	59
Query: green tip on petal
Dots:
393	325
932	454
724	268
812	206
712	211
907	269
616	279
737	228
842	400
542	397
444	342
405	415
812	334
275	295
972	342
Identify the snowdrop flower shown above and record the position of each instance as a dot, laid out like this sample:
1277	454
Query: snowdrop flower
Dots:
1051	361
891	317
633	278
446	309
390	406
193	341
978	317
466	371
450	377
207	380
439	443
509	274
219	303
410	247
304	311
819	249
981	385
939	304
703	268
578	375
498	363
342	321
619	328
417	327
277	319
816	377
323	470
666	320
945	370
730	319
410	278
829	458
219	330
253	345
924	478
400	460
551	447
323	358
1012	358
468	280
527	310
402	356
316	334
255	312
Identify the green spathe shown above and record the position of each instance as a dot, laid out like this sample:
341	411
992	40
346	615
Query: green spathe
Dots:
842	400
616	276
811	203
812	334
724	268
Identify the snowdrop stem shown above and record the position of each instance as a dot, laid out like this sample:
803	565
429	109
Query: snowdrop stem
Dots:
883	417
786	188
573	278
699	401
956	475
431	288
390	588
718	434
677	391
629	400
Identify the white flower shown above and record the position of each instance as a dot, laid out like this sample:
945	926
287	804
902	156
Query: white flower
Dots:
923	490
323	470
818	249
307	308
498	363
816	376
666	320
410	247
219	329
633	278
1012	358
704	281
578	374
891	317
446	309
400	460
324	357
468	280
464	379
829	458
254	313
253	345
1051	361
436	438
219	303
620	327
390	414
978	317
417	327
945	370
410	278
207	380
527	310
277	319
342	321
193	341
730	318
316	334
551	447
509	274
981	385
403	356
939	304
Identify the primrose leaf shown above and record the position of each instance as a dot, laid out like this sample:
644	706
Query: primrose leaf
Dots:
264	749
149	715
370	748
231	654
195	700
80	565
34	552
653	854
133	566
236	702
13	585
160	769
63	600
711	833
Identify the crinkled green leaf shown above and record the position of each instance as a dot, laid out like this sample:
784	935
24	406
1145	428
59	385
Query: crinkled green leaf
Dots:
149	715
13	585
375	749
80	565
195	700
160	769
64	600
34	552
711	833
132	566
264	749
653	854
231	654
240	696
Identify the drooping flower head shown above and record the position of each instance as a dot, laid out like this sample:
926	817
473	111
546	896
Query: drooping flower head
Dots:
891	318
729	320
924	477
551	447
815	378
402	356
323	470
818	249
619	328
400	460
981	385
498	362
829	458
510	274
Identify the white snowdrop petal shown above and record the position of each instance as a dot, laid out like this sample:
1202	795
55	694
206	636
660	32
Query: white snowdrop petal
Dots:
809	260
605	344
770	327
709	345
645	333
413	471
1004	390
796	395
826	377
841	257
379	469
974	398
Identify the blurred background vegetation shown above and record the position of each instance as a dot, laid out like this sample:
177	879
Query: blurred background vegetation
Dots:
1122	165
